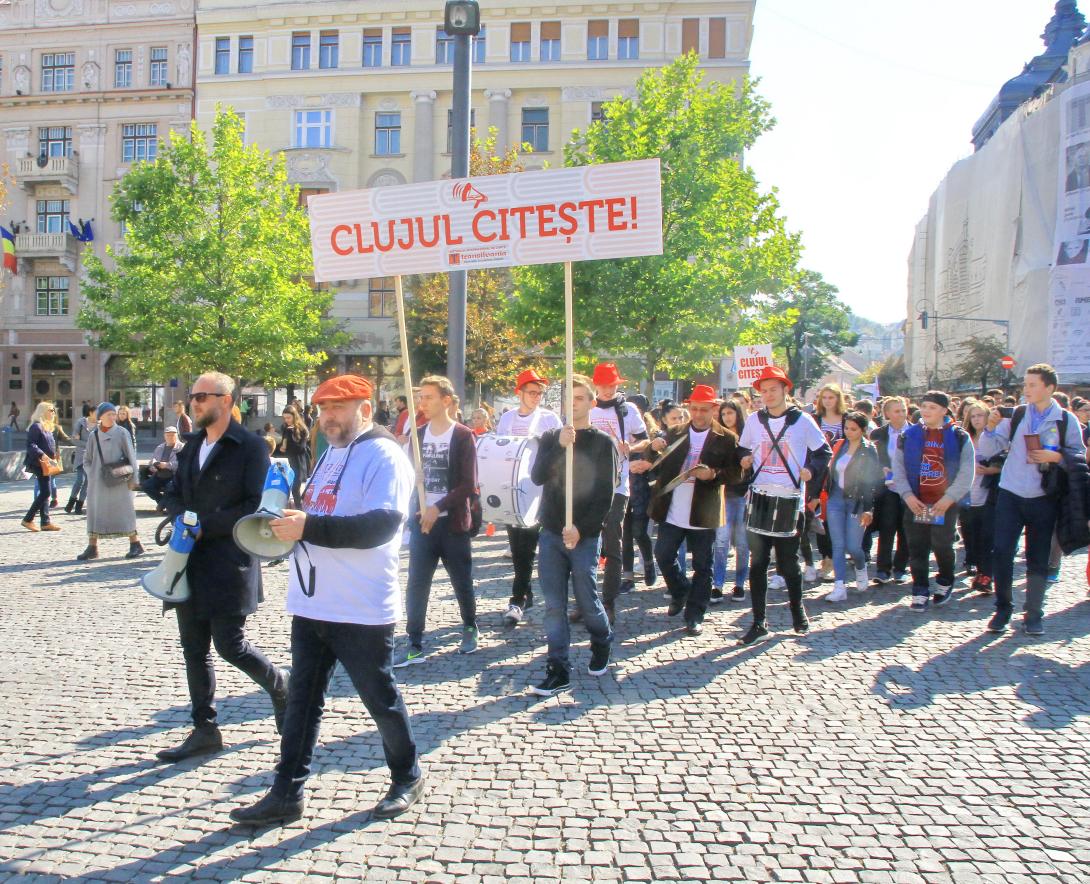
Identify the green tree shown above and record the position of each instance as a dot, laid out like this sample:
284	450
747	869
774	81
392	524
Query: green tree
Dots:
980	364
723	240
892	376
496	349
821	327
213	273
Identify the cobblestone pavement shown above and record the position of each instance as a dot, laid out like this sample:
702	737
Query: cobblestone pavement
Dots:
884	746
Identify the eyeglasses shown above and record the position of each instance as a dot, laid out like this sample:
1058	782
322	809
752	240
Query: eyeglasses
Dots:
534	393
201	397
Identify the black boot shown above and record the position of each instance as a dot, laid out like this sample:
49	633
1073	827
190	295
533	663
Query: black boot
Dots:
202	740
135	549
79	508
269	810
279	695
399	799
90	553
68	507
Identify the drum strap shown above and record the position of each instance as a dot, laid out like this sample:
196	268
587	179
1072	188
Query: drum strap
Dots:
776	447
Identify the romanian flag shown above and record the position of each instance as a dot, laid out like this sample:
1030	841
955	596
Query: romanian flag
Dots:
7	238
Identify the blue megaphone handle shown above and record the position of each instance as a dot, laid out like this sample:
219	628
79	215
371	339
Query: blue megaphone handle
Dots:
184	537
279	477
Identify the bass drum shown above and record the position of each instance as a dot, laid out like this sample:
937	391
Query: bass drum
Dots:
508	497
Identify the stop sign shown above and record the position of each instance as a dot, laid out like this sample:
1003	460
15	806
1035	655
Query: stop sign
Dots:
1007	362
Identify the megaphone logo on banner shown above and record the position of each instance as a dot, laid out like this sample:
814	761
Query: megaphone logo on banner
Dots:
467	193
252	533
167	582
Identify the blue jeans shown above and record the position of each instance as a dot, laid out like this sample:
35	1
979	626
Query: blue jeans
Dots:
732	534
425	553
555	564
1037	515
846	533
697	591
366	652
79	487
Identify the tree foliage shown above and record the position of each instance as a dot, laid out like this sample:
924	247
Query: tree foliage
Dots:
980	364
213	271
891	374
496	349
821	327
723	239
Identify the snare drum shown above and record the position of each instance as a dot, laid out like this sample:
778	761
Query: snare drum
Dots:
773	510
508	496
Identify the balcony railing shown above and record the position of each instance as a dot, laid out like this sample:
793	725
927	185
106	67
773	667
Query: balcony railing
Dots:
64	171
62	246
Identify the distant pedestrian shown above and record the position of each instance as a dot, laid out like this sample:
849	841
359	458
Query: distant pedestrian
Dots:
13	416
110	510
41	450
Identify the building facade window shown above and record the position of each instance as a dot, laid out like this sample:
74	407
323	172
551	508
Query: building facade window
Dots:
387	134
313	128
223	56
58	71
598	40
381	299
717	38
520	41
450	126
372	47
444	47
401	47
157	73
535	128
479	47
139	142
550	41
597	114
122	68
246	54
329	49
52	295
300	51
55	141
53	216
628	38
690	35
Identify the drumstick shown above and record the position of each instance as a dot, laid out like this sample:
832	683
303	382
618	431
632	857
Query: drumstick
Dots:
410	422
569	393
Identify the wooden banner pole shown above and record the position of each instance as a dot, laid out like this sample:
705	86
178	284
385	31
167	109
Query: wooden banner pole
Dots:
410	423
569	394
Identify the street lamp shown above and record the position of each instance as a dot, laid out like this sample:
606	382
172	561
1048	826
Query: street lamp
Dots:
461	20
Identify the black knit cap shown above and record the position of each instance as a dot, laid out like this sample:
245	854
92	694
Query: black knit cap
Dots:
936	397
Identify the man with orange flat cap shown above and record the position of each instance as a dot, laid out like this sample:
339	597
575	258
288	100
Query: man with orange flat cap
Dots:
344	598
529	419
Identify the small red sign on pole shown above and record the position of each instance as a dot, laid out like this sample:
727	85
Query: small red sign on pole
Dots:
1007	362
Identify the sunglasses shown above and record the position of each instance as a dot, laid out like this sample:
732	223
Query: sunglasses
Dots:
202	397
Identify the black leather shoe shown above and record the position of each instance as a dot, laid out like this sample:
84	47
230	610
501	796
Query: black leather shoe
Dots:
675	608
135	550
399	799
279	696
90	553
269	810
694	628
68	507
201	741
800	622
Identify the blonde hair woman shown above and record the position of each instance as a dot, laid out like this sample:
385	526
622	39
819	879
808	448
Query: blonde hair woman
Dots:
39	444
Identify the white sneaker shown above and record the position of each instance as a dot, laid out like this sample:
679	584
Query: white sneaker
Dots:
839	593
809	574
777	582
862	579
513	616
826	569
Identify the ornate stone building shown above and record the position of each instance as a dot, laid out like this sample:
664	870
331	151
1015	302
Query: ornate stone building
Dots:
87	87
359	95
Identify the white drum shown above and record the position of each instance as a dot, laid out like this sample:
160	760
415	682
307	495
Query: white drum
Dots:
773	510
508	497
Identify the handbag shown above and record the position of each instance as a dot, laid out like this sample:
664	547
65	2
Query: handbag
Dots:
116	473
49	467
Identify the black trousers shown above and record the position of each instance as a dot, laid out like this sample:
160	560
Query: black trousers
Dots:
366	652
611	548
978	532
889	519
926	539
696	592
523	544
787	566
198	636
635	535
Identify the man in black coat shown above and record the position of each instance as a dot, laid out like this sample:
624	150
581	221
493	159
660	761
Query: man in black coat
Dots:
221	474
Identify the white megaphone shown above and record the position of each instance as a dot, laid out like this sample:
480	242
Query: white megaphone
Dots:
167	582
252	533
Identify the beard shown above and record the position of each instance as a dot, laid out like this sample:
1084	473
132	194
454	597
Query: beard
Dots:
208	418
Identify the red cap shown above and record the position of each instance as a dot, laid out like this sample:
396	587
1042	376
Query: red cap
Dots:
773	373
343	387
606	375
530	377
703	393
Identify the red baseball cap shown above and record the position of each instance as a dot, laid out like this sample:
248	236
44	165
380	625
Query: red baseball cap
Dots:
343	387
773	373
703	393
606	375
529	377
